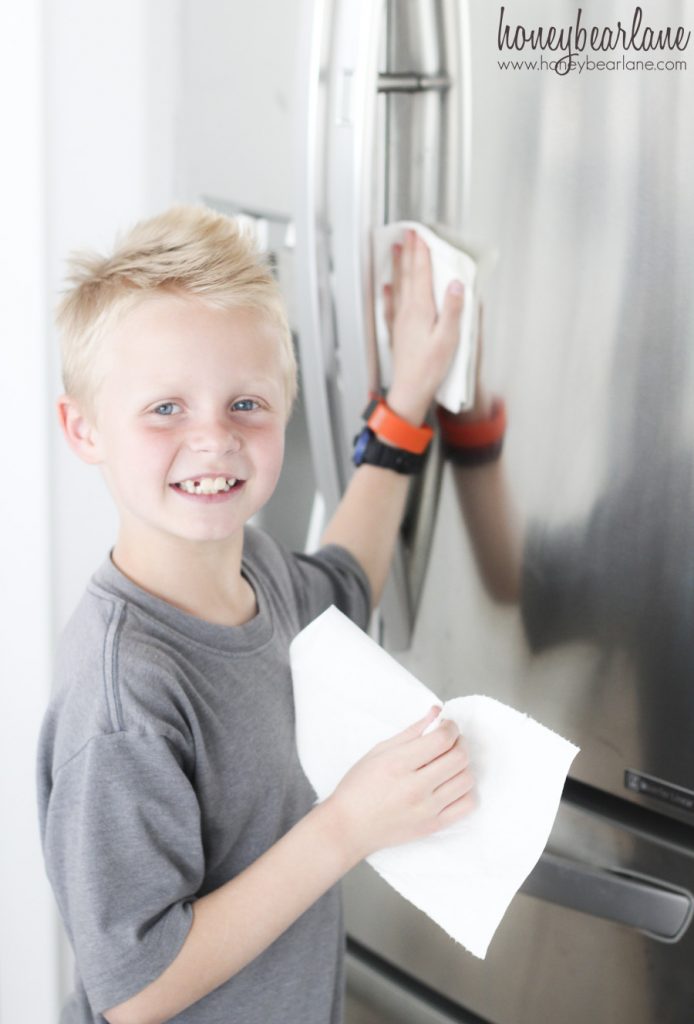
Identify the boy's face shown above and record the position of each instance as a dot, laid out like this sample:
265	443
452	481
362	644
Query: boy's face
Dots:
192	401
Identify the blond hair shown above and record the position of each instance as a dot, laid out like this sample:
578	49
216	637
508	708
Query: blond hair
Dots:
188	249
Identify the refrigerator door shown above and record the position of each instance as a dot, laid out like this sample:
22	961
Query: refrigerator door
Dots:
583	185
600	931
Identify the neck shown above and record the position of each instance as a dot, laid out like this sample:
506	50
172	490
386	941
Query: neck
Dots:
201	578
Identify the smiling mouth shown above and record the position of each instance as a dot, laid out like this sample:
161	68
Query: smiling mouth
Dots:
208	485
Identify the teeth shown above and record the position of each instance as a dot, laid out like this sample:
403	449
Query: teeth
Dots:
208	485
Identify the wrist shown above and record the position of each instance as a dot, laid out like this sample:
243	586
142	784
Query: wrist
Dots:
409	408
337	834
389	440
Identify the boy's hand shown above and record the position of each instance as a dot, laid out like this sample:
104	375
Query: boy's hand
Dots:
406	787
423	343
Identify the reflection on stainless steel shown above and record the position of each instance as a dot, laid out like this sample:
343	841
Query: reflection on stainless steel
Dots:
590	340
583	185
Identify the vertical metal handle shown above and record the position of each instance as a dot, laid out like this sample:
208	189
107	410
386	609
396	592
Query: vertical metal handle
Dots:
316	340
350	190
458	122
351	141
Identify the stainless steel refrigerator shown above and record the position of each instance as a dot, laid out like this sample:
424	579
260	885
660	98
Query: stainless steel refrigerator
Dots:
581	186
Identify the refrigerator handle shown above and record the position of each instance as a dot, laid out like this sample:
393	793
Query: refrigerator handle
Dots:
457	40
660	910
351	139
316	335
350	150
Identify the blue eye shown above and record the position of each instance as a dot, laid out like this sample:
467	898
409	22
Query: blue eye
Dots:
245	405
166	408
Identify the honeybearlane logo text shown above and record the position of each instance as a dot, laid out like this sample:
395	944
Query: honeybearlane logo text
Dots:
569	41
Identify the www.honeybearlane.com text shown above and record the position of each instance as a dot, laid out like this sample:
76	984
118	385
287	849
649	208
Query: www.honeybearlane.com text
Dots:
574	39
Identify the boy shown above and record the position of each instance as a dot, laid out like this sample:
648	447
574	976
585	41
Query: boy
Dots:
195	878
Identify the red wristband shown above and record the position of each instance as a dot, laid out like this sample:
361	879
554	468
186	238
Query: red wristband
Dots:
476	433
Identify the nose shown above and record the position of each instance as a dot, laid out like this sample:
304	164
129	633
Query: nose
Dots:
216	435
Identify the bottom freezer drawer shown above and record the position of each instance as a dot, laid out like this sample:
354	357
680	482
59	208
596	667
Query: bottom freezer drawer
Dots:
378	993
601	932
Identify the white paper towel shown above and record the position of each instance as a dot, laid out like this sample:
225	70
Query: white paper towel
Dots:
448	263
350	694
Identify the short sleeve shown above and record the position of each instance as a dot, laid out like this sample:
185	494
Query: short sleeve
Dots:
124	854
331	576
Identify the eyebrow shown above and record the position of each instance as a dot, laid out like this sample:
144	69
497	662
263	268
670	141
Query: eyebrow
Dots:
170	390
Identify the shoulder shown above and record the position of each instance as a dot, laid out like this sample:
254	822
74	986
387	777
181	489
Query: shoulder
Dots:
308	584
115	672
263	553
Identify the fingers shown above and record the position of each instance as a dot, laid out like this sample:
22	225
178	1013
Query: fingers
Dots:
457	809
454	788
450	774
447	766
453	784
416	274
451	312
388	306
422	750
411	269
412	731
397	268
412	283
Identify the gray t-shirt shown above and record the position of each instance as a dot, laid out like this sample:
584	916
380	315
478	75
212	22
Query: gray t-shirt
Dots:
168	764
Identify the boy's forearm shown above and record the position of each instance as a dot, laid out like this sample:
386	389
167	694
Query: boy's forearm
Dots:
235	923
368	519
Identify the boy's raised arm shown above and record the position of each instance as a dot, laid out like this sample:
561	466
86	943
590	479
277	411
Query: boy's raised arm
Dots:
368	518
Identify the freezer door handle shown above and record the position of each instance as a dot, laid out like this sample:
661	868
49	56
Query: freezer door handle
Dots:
647	904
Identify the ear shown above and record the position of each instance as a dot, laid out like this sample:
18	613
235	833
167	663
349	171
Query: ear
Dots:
80	434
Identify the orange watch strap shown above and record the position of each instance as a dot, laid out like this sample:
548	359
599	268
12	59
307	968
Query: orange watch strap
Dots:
387	425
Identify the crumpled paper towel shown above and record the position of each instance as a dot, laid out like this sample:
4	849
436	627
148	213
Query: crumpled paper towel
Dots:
350	694
448	262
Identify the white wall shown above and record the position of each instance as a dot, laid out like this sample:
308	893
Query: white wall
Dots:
239	101
113	72
28	975
89	102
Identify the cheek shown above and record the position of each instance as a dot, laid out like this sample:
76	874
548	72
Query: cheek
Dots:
273	453
140	453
